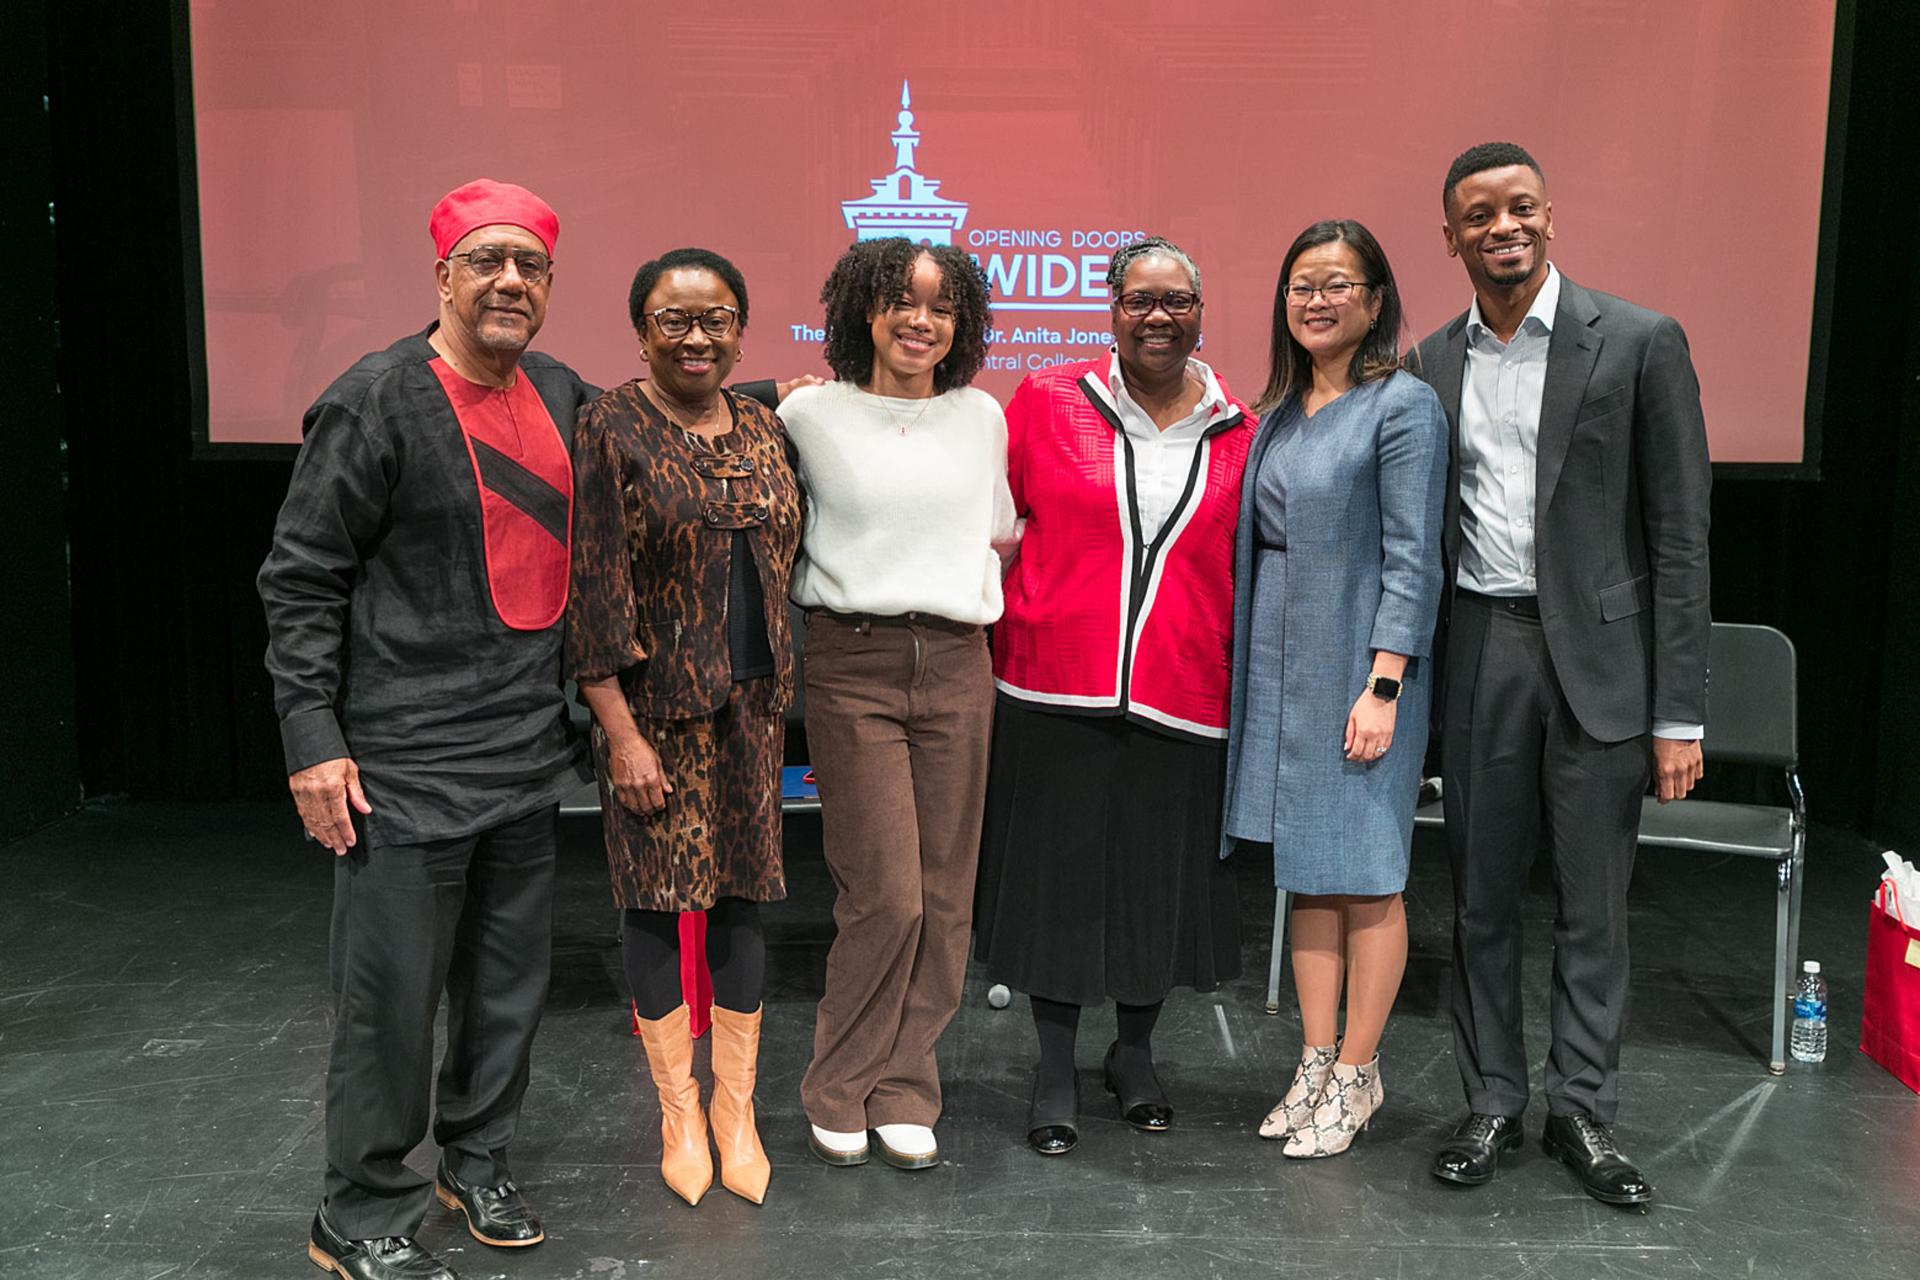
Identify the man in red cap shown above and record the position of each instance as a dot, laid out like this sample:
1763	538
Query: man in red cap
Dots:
414	597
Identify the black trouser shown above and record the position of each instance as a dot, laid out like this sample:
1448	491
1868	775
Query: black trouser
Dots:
472	917
1517	764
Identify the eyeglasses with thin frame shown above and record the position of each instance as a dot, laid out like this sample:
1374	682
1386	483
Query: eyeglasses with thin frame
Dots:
487	261
676	322
1140	304
1338	293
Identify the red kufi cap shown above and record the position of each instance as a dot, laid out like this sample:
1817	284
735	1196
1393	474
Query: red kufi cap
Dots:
485	203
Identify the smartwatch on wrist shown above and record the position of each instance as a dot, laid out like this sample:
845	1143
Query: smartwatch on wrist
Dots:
1385	688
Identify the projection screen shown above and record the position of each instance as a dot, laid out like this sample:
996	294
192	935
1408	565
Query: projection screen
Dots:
1683	143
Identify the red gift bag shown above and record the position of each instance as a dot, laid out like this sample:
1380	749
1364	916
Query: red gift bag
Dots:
1890	1023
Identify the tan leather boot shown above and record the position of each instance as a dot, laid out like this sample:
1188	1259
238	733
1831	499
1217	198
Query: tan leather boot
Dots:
685	1162
736	1055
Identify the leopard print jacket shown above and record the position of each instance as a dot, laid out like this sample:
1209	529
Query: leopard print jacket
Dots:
654	516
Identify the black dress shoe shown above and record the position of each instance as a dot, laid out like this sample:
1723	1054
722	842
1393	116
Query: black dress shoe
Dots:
1053	1139
1587	1147
1471	1156
1149	1112
499	1216
1053	1118
387	1258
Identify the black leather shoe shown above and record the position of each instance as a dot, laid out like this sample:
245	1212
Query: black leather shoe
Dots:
1471	1155
1148	1112
499	1216
1053	1139
388	1258
1586	1146
1053	1118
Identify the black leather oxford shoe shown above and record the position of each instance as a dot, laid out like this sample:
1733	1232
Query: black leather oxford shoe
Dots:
499	1216
1471	1155
1149	1112
387	1258
1586	1146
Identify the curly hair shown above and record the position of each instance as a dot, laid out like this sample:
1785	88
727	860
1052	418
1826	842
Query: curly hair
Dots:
1290	368
700	259
870	274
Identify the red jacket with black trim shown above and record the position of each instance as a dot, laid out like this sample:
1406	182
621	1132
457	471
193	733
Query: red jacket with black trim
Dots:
1100	618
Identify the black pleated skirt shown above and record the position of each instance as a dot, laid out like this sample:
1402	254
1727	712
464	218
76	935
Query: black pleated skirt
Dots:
1100	870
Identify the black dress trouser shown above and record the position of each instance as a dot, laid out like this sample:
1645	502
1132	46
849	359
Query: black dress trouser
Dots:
471	917
1517	765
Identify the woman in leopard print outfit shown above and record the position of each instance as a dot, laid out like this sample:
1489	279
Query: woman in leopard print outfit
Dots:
686	523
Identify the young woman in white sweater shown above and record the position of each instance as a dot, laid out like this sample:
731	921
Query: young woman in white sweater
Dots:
907	510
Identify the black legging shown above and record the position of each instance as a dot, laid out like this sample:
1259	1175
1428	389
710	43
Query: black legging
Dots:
736	956
1058	1024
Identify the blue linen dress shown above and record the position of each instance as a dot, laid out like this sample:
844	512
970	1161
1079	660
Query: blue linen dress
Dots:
1337	556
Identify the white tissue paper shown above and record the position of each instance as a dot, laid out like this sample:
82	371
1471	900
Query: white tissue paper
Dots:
1902	898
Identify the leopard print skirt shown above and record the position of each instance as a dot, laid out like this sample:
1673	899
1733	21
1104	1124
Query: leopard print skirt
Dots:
719	835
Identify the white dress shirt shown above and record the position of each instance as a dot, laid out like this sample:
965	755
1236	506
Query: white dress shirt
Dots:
1162	459
1499	441
1499	438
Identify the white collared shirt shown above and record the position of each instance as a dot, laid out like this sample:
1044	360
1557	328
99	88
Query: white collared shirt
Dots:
1499	439
1162	460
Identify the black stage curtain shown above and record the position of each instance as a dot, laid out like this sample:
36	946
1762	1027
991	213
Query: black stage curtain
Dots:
167	633
39	769
171	695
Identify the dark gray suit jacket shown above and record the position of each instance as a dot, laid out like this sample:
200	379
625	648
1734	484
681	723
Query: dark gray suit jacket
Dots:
1621	492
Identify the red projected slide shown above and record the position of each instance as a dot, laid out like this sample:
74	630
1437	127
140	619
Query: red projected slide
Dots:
1682	140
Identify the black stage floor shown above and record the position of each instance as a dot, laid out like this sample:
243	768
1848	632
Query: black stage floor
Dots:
164	1019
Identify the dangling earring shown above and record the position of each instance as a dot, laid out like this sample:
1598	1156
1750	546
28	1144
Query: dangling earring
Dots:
1371	323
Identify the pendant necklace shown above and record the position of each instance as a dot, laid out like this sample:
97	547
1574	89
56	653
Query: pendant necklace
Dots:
886	402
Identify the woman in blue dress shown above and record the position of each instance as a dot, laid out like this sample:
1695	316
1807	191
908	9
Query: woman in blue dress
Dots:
1338	566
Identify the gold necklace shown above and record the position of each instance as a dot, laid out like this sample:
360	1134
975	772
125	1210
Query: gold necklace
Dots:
673	419
886	402
694	440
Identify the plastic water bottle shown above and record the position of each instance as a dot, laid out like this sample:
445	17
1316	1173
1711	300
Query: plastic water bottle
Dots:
1810	1015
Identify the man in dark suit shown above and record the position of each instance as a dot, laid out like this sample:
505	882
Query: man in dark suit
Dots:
1575	659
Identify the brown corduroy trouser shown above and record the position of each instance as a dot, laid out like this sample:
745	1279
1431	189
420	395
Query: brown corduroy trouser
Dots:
898	716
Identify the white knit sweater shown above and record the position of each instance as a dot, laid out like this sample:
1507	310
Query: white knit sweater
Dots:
907	506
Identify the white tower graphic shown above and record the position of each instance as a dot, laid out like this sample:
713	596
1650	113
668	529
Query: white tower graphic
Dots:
904	203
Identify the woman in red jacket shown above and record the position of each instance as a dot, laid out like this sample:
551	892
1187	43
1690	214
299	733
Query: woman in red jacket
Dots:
1100	874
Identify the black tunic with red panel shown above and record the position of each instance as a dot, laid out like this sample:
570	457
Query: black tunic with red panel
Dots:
416	591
